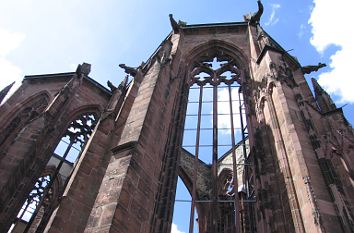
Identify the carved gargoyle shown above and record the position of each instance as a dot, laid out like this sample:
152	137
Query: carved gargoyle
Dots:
174	24
255	18
129	70
111	86
310	69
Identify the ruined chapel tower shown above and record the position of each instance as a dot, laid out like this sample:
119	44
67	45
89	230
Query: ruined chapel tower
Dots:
223	106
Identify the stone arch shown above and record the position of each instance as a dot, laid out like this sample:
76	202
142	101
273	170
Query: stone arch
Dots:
231	59
208	47
46	203
185	179
71	116
33	156
65	123
97	109
20	116
220	49
23	104
74	116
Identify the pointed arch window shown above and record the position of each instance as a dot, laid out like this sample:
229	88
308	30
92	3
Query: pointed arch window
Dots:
215	129
34	198
41	201
27	113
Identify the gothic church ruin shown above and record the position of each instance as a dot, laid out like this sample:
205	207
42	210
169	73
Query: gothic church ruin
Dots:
222	106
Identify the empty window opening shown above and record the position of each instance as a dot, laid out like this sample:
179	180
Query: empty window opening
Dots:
215	135
44	197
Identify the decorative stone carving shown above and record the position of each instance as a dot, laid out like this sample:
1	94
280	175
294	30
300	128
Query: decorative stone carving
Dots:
264	40
312	198
83	69
124	83
323	99
129	70
174	24
283	74
80	129
164	54
255	18
215	76
312	68
111	86
23	117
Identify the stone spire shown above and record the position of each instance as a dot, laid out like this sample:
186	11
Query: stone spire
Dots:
4	91
323	99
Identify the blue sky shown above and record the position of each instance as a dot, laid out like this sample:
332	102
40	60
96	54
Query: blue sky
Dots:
53	36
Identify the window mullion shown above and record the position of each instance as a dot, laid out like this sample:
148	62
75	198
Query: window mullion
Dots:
215	155
234	165
196	161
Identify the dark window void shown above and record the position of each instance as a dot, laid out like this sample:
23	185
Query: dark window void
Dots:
215	135
44	197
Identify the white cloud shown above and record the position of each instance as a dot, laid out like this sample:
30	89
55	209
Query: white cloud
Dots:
9	41
174	229
272	19
301	31
331	25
